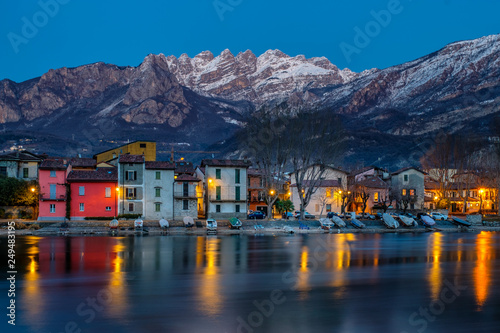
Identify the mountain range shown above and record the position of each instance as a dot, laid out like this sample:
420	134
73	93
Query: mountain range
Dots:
390	115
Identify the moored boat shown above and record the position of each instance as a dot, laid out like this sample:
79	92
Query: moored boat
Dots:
389	221
355	222
163	223
113	225
188	221
326	224
234	223
460	222
427	220
407	221
211	226
338	221
138	224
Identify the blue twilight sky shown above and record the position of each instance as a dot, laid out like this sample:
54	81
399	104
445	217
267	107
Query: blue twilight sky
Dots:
123	32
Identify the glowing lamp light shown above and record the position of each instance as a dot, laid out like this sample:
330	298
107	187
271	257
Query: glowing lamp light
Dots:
210	180
340	192
117	189
32	189
436	197
272	192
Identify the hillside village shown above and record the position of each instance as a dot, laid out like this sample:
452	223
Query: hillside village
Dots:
128	181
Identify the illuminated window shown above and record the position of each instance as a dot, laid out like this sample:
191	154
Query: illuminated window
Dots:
403	192
375	197
412	192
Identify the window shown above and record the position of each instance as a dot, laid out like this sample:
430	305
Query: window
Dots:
237	176
131	193
157	207
316	207
81	190
217	174
375	197
328	193
131	175
412	192
217	193
185	204
82	207
339	180
25	172
237	208
185	189
403	192
108	208
328	207
217	208
114	155
158	175
3	171
108	192
131	207
237	193
142	145
52	191
157	192
52	208
52	173
405	177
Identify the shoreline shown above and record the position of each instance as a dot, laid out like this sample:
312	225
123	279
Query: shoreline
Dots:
272	227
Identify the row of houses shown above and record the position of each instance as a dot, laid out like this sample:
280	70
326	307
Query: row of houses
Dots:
128	180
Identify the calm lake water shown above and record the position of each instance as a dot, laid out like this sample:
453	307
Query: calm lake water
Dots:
433	282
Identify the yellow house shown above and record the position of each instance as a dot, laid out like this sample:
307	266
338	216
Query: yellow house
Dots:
146	148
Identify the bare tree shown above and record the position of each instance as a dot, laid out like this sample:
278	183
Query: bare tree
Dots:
362	193
323	199
403	197
314	144
464	161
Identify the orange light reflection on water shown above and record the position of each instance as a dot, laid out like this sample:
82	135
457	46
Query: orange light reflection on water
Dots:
482	271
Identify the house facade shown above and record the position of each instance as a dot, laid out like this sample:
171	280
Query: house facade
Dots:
53	192
145	148
327	197
20	165
225	183
159	182
131	170
93	193
408	184
187	192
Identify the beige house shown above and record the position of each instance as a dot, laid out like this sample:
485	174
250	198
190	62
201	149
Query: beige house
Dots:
327	198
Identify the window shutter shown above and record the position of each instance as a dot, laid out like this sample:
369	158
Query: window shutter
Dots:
126	175
135	192
135	175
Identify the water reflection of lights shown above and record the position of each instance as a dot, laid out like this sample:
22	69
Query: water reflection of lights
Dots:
482	271
32	293
303	274
435	274
341	261
117	284
210	289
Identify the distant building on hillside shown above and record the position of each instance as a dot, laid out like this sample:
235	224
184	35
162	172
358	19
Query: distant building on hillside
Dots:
20	165
146	148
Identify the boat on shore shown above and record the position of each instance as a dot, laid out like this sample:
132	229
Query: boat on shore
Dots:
211	226
427	220
338	221
234	223
188	221
326	224
389	221
407	221
288	230
460	222
138	224
113	225
355	222
163	224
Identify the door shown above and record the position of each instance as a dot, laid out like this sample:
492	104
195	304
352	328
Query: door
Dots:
52	191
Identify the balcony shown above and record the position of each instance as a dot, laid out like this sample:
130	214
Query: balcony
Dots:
226	197
187	195
61	197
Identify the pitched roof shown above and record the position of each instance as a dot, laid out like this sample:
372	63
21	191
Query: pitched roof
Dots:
254	172
99	175
184	167
83	162
226	163
406	169
20	156
373	182
158	165
124	145
186	178
53	164
321	183
362	170
127	158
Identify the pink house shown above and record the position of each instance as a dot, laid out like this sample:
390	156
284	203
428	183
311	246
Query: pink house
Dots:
93	193
52	180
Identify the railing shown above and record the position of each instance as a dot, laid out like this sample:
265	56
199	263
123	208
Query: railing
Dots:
188	194
61	197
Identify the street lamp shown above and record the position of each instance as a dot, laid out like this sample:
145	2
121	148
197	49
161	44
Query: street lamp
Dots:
116	201
271	192
33	189
481	191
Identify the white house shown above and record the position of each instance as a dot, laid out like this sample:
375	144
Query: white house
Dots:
131	170
225	183
20	165
326	198
159	190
